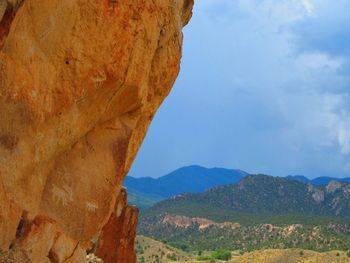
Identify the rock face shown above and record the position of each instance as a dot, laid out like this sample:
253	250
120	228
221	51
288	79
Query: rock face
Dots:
201	223
117	244
317	194
80	82
332	186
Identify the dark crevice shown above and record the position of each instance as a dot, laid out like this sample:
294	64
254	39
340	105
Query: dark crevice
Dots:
7	19
21	225
72	254
20	228
92	249
53	257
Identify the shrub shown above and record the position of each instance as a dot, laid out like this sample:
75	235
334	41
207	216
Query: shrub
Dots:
222	254
172	257
202	258
180	245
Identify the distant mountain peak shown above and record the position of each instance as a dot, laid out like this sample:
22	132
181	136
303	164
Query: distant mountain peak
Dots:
320	181
191	179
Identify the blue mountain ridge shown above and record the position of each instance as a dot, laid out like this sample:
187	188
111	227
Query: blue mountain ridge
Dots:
319	181
189	179
146	191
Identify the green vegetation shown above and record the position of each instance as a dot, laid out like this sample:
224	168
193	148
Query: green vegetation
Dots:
142	200
263	195
156	251
323	237
180	245
272	213
247	219
149	250
172	257
220	254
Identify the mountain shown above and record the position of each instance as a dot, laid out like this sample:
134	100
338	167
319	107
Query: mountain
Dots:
259	212
262	194
326	180
146	191
300	178
190	179
319	181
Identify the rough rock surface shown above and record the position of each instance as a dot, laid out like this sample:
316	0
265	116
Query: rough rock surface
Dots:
332	186
115	243
317	194
201	223
80	82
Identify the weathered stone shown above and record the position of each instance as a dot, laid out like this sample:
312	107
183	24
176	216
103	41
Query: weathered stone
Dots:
10	215
80	82
317	194
64	249
117	239
35	239
332	186
78	256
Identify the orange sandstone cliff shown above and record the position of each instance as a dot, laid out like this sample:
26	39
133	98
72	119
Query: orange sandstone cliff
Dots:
80	81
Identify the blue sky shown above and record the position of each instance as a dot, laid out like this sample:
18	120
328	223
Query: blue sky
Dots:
264	87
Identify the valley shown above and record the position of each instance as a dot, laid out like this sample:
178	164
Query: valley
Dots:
258	216
150	250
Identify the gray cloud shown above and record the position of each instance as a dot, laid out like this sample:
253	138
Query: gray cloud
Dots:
262	88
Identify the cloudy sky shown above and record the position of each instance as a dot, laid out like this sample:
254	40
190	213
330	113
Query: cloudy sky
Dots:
264	87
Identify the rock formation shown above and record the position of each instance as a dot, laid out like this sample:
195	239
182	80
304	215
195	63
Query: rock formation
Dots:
332	186
199	222
80	82
115	243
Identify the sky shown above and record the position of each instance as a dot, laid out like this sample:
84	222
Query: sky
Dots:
264	87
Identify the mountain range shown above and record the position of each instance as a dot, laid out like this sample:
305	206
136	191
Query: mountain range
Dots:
146	191
318	180
258	212
262	194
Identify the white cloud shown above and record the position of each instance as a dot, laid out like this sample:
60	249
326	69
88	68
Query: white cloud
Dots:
344	140
309	7
337	121
304	83
320	61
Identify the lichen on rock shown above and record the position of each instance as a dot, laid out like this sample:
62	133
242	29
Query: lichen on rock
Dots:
80	82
